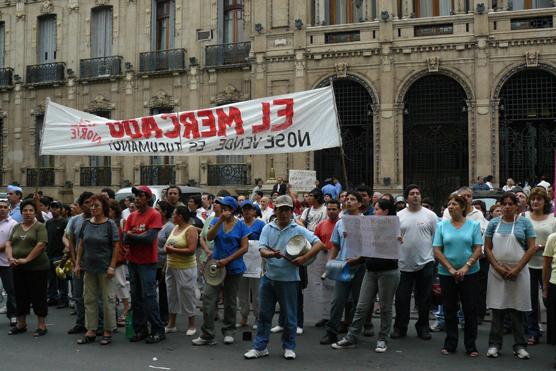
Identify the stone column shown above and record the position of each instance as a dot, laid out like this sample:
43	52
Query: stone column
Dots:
407	9
459	6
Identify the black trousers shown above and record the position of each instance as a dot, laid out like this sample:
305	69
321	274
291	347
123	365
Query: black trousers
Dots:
422	280
551	315
482	277
31	288
162	294
452	294
6	275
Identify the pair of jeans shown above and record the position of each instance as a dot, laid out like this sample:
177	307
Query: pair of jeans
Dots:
144	299
229	288
454	292
77	296
422	281
285	293
383	283
57	288
95	285
6	275
342	291
517	319
533	329
300	316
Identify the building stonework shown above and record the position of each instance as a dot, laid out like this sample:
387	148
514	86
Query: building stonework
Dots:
286	46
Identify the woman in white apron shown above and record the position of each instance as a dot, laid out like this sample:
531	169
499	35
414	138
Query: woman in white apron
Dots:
509	245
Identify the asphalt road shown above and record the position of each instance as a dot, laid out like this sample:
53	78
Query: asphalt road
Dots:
59	351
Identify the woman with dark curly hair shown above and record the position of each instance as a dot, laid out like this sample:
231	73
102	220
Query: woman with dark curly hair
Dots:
96	256
26	253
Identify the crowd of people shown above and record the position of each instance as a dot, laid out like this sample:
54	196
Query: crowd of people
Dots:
146	263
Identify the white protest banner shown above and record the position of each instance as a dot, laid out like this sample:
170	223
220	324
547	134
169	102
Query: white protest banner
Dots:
302	180
297	122
372	236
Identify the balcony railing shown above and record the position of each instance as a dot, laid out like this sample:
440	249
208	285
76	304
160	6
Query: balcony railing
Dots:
95	176
46	73
161	61
100	68
6	80
43	177
158	174
227	54
228	174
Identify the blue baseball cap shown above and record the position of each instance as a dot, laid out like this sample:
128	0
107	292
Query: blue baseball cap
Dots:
253	205
228	201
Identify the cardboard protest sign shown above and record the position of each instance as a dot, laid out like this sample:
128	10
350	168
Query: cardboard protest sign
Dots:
302	180
372	236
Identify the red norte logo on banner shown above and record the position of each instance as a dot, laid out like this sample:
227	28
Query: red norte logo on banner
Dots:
84	129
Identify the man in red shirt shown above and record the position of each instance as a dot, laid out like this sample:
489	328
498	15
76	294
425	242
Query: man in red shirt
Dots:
320	291
141	231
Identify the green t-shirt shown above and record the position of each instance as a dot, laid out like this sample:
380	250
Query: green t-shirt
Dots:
23	242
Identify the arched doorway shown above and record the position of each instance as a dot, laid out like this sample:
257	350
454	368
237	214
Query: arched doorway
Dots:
527	124
435	137
354	104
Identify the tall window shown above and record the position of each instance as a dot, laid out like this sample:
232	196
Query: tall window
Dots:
233	21
101	32
43	161
47	39
100	161
342	11
163	18
433	8
531	4
2	33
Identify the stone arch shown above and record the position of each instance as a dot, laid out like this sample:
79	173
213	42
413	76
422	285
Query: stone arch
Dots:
452	73
511	70
351	76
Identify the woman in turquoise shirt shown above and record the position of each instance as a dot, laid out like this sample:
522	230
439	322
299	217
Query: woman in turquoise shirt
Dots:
457	246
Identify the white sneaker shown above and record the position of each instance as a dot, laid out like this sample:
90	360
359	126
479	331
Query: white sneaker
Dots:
299	331
521	353
289	354
492	352
381	346
191	332
343	344
3	310
436	327
170	330
254	353
276	329
202	341
228	339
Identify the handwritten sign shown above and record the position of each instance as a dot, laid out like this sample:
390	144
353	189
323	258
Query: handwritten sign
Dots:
253	261
372	236
302	180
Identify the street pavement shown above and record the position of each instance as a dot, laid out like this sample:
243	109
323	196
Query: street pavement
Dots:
59	351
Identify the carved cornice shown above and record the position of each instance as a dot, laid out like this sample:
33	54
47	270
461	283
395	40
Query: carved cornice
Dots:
162	100
100	104
230	94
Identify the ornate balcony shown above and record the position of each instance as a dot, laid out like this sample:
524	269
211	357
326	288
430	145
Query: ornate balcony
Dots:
162	61
158	174
226	55
6	80
100	68
95	176
228	174
43	177
46	73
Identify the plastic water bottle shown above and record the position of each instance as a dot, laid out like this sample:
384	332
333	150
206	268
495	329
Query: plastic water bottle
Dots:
129	331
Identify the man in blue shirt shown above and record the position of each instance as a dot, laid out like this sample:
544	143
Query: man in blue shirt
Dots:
343	289
14	198
281	279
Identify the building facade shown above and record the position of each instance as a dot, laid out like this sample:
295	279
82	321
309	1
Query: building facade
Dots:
429	92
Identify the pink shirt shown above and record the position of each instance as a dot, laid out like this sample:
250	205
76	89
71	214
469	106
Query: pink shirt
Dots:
6	227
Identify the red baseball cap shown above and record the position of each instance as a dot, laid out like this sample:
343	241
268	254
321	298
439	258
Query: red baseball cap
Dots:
142	189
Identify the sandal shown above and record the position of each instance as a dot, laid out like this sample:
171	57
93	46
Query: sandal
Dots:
473	354
86	340
445	351
532	340
106	340
17	330
40	332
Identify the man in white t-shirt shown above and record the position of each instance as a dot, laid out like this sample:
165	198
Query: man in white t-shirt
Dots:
314	214
416	263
